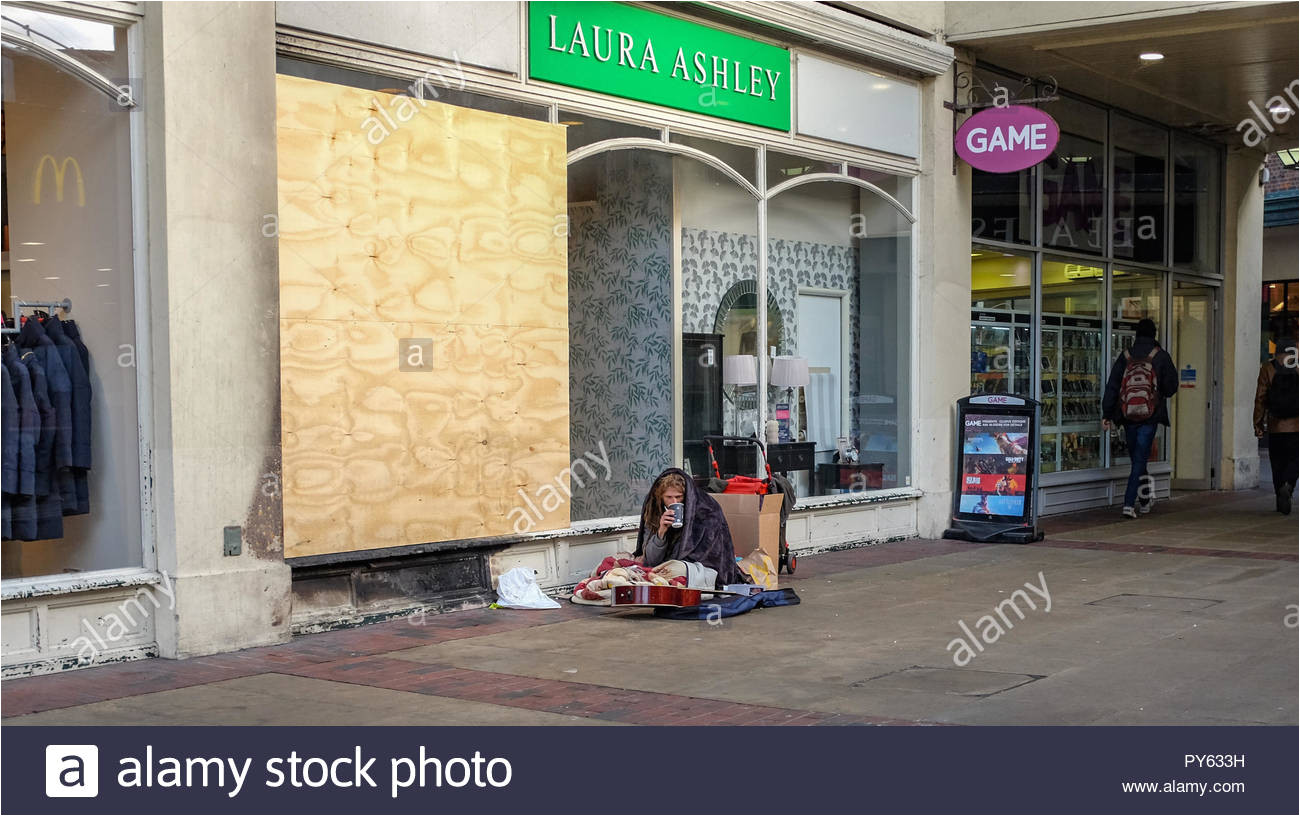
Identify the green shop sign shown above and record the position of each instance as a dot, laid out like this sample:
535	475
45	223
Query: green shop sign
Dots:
624	51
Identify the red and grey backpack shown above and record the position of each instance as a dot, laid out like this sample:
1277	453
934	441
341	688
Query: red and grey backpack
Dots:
1137	390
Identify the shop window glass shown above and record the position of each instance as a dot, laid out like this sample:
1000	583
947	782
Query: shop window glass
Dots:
1001	206
782	167
1197	198
1074	178
444	85
1001	203
1070	365
1134	295
582	129
720	317
839	267
900	187
97	45
741	158
1279	312
1141	157
68	235
620	327
1001	322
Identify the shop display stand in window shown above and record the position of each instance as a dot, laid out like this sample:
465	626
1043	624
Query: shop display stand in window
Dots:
1000	348
1072	384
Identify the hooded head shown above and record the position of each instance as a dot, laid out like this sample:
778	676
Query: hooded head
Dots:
1285	348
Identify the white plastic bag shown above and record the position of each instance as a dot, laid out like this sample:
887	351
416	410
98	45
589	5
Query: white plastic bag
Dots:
518	589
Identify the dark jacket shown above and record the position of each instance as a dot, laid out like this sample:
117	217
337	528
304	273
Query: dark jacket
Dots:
80	378
45	442
33	337
29	421
1166	382
22	505
74	334
49	496
9	480
1267	372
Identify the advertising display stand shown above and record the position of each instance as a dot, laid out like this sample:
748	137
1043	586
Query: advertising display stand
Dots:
996	480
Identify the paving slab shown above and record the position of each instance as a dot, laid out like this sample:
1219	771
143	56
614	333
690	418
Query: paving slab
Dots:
1180	617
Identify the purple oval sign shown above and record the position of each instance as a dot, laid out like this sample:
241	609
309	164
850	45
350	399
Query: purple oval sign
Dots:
1004	140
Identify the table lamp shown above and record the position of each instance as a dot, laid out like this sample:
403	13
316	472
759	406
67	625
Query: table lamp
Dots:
791	373
738	370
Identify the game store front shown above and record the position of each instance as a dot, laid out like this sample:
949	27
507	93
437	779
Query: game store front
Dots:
1120	222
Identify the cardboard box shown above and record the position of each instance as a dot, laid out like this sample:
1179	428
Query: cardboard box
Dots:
755	523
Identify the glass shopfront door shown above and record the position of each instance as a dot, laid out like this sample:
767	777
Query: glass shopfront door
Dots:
1191	410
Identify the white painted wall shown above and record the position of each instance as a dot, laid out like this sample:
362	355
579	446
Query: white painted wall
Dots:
942	295
475	33
215	309
1243	255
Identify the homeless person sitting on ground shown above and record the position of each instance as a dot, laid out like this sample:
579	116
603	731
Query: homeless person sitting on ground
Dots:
697	554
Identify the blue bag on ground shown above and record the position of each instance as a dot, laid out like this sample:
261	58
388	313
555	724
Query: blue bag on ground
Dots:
729	606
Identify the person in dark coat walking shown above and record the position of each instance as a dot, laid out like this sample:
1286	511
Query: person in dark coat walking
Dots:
1140	433
1275	414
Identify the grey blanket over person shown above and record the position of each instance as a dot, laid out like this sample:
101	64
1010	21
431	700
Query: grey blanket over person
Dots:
703	538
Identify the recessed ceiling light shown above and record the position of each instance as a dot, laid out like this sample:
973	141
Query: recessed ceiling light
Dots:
105	269
53	277
102	285
880	86
1151	56
32	243
1007	275
25	260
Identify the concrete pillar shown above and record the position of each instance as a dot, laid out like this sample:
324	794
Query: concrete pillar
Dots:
942	347
1243	276
210	138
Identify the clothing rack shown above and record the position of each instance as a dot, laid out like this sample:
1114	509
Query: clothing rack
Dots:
49	305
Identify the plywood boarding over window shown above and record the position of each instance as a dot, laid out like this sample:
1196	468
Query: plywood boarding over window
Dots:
401	218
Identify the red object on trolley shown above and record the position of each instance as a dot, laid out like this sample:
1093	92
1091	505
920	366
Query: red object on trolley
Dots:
746	485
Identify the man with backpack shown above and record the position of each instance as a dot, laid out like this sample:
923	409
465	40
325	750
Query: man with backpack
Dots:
1140	381
1275	398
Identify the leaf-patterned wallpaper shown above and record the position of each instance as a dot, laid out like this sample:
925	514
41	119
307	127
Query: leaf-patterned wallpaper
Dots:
712	262
620	325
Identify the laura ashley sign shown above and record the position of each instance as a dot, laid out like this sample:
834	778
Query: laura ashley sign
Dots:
637	54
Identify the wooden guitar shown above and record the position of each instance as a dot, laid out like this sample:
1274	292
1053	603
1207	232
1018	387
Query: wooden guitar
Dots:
655	595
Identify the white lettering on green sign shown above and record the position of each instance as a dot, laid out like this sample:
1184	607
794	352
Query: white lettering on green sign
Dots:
626	51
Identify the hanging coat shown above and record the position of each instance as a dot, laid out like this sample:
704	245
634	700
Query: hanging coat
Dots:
80	391
74	333
49	500
9	479
82	478
9	428
22	506
33	337
29	421
74	483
